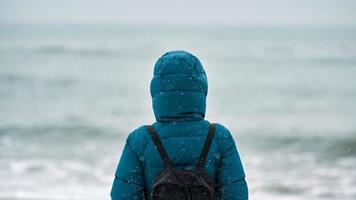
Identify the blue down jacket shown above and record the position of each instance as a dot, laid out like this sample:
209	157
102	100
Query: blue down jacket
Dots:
179	88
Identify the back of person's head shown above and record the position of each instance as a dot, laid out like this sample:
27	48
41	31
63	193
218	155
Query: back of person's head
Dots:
179	87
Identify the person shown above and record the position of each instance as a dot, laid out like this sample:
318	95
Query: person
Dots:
179	89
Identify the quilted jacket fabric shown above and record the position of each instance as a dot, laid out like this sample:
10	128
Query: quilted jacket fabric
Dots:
179	89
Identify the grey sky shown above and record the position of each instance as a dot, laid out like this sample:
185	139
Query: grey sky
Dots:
294	12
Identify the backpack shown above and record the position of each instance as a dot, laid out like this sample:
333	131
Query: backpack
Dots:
178	184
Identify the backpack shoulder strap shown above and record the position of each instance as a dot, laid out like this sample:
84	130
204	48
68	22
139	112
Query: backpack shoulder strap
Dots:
159	145
205	151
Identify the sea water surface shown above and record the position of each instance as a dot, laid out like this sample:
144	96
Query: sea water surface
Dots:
70	95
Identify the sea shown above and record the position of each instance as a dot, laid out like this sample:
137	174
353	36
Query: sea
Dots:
71	93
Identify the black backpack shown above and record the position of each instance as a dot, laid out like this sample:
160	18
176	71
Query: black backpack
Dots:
177	184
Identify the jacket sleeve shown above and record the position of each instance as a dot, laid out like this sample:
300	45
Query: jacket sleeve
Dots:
230	179
128	183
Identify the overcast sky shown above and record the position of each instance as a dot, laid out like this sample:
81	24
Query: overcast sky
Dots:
236	12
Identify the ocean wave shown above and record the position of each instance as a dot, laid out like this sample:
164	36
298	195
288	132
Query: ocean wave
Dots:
53	130
82	51
9	80
329	145
332	145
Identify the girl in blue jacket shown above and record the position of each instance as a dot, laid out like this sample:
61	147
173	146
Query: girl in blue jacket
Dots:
179	89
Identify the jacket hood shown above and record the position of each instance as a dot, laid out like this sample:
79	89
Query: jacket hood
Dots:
179	87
